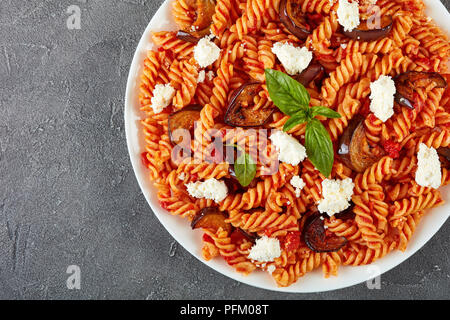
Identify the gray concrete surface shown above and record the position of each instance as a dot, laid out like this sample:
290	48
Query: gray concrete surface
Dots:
68	195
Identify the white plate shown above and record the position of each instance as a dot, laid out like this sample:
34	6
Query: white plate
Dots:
191	240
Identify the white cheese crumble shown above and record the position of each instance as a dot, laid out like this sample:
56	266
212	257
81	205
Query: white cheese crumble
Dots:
182	176
294	59
298	184
206	52
162	96
201	76
289	149
212	189
428	172
382	97
265	249
336	195
210	75
271	269
348	14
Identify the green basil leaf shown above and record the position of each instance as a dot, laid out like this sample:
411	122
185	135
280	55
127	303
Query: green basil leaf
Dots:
326	112
319	147
245	169
287	94
296	119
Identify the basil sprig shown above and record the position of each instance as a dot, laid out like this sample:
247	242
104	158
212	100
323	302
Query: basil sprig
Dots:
244	167
292	98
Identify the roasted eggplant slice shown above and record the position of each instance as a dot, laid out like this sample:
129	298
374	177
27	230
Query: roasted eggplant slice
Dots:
445	152
316	238
193	37
365	32
250	236
310	74
354	149
239	114
205	12
183	119
445	157
201	26
238	236
211	218
407	83
293	19
188	37
347	214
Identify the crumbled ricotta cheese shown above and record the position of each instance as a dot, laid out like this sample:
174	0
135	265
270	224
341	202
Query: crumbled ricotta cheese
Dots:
206	52
294	59
265	249
344	46
210	75
348	14
382	97
298	184
271	268
201	76
210	189
182	176
289	149
162	96
428	172
336	195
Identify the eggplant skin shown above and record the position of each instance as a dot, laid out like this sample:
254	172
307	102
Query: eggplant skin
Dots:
239	116
186	36
363	33
183	119
445	152
353	147
408	82
310	74
314	236
205	10
211	218
289	22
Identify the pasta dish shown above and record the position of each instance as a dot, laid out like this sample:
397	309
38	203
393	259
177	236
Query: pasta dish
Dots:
298	134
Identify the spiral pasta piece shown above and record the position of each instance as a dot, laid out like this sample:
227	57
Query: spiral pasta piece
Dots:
169	41
284	277
405	207
181	10
366	221
319	38
230	252
342	75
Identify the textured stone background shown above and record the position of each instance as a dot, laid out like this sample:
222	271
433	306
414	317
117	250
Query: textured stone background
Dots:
68	194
